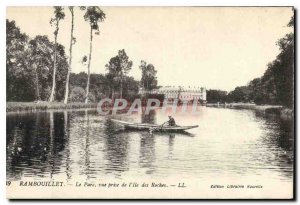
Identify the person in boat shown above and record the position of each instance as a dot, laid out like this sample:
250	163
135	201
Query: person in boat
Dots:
171	121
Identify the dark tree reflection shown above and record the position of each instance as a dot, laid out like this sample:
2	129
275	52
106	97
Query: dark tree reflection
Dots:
34	140
147	152
116	150
280	135
149	118
67	138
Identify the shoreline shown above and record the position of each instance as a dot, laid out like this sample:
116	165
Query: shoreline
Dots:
284	112
15	107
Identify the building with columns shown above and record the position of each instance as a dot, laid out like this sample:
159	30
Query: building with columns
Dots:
188	93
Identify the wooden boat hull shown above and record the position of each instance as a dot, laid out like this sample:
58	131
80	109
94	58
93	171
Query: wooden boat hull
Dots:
152	127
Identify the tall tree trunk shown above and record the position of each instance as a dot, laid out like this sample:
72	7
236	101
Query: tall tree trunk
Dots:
112	94
121	88
51	144
70	60
38	96
54	68
147	84
89	65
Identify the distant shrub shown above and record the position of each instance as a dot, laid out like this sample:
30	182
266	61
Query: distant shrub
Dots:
77	94
91	97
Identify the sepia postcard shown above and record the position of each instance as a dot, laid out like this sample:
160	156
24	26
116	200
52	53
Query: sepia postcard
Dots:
150	102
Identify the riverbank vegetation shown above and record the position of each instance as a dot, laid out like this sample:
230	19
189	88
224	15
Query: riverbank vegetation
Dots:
39	70
43	106
275	87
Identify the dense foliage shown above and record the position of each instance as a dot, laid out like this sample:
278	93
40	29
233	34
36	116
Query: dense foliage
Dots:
29	72
118	68
29	66
214	96
101	87
276	86
149	80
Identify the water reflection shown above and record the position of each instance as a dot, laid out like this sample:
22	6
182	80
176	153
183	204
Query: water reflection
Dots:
148	118
116	150
280	141
68	144
35	142
67	138
147	152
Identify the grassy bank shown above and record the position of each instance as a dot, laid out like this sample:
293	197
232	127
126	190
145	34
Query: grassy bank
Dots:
42	106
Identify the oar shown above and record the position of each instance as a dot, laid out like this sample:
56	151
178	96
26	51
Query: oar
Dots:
152	129
162	125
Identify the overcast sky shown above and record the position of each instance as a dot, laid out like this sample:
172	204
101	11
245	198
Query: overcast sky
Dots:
218	48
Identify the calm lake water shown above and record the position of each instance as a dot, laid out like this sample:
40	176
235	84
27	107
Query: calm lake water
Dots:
227	143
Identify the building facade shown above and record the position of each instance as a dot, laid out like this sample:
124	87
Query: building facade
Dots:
179	92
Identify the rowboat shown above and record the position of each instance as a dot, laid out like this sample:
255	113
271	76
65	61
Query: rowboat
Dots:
152	127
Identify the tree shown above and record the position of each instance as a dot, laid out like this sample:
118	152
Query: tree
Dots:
239	94
77	94
118	68
130	88
284	69
58	16
148	80
214	96
93	15
18	72
276	86
99	84
111	82
29	66
72	41
291	22
78	79
41	59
